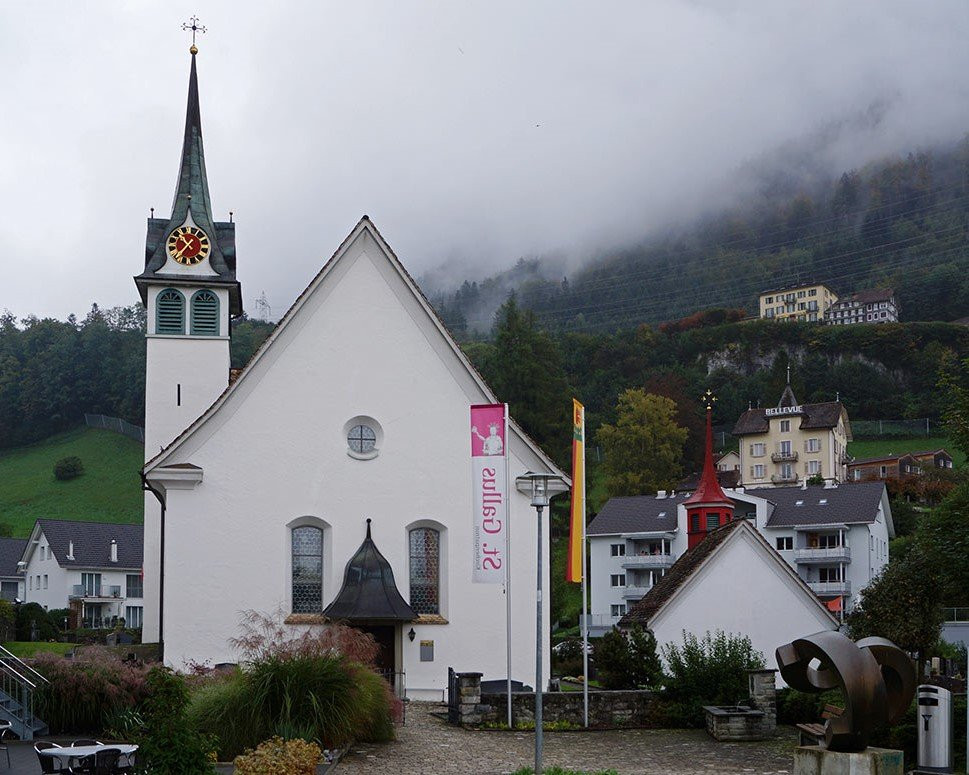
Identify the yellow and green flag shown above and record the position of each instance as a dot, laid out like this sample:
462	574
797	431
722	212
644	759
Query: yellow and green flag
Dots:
573	571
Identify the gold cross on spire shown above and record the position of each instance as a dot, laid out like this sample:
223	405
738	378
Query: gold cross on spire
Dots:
708	399
194	27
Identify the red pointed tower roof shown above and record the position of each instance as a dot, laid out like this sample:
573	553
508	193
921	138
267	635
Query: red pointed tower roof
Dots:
708	492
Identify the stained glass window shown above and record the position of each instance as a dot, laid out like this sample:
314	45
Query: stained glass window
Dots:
307	570
362	439
425	570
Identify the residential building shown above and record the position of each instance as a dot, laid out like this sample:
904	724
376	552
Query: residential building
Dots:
800	303
901	466
92	568
11	580
772	604
330	480
792	442
872	306
933	458
729	461
835	537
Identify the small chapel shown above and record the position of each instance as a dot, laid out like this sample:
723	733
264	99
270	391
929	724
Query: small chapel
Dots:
331	478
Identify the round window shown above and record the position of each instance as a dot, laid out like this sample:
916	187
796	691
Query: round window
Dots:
362	439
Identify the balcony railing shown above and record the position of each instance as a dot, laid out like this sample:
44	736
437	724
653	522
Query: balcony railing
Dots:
784	457
634	561
784	478
81	590
635	593
599	621
827	554
830	587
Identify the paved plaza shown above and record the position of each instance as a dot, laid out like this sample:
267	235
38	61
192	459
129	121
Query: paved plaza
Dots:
426	745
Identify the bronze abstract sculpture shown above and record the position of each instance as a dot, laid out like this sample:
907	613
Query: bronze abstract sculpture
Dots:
876	678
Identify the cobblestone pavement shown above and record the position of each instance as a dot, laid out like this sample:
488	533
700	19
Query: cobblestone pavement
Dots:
426	745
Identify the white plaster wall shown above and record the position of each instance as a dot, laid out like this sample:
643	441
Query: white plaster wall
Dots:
741	592
276	452
601	566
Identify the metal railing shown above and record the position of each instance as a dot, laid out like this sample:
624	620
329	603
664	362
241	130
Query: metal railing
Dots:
784	457
778	478
635	592
648	560
81	590
827	553
599	620
830	587
115	424
18	683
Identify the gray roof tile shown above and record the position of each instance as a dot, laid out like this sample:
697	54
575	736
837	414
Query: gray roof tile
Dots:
854	503
92	543
636	514
11	550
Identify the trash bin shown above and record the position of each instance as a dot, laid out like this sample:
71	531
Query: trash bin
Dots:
935	728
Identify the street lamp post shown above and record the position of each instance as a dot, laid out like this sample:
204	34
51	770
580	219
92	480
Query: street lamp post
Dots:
539	489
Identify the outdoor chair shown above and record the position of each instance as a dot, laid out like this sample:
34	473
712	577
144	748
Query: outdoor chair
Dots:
87	763
106	761
47	763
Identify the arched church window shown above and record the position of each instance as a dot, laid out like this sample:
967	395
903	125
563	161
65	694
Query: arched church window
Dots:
425	570
205	314
170	312
307	570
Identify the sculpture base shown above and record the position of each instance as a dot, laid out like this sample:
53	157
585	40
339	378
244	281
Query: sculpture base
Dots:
814	760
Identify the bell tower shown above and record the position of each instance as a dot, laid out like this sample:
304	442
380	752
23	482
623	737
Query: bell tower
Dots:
190	291
708	507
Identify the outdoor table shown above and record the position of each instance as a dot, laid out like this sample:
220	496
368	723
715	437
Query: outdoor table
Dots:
70	752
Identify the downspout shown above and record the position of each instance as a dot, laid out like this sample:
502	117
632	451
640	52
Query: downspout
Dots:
161	566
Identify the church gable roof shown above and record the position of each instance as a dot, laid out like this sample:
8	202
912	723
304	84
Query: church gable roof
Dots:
457	362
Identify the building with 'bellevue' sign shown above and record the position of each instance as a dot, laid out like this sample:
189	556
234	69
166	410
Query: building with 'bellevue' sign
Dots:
802	303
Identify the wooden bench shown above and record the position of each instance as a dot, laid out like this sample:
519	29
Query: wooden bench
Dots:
813	734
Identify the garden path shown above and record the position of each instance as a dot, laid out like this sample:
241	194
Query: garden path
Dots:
426	745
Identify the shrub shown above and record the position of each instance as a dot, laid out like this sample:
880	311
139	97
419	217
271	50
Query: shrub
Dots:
708	671
27	615
280	757
167	743
8	621
627	661
85	692
68	468
567	657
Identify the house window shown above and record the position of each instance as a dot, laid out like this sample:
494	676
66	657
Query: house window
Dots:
787	471
814	445
617	609
713	520
814	467
91	582
883	471
785	543
618	579
9	590
829	574
831	541
784	447
617	550
758	450
134	585
45	581
759	471
205	314
425	570
133	616
694	523
307	570
170	312
856	474
785	426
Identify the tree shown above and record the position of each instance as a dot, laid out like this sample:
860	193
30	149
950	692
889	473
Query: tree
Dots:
955	385
529	376
942	535
903	603
642	451
628	660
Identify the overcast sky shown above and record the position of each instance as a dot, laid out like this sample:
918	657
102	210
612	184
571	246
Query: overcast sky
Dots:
471	132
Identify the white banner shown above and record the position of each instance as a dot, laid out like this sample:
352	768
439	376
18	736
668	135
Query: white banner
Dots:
489	493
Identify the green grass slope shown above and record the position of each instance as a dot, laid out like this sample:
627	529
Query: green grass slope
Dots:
869	448
108	491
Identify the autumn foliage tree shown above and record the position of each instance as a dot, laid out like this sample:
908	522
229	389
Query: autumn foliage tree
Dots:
643	450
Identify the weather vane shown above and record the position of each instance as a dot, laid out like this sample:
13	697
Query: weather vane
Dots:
194	27
708	399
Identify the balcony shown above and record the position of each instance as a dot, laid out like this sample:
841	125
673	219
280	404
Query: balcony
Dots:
829	554
648	561
784	457
830	587
790	478
635	593
82	592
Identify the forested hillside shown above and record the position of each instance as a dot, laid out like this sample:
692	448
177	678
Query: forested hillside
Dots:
901	222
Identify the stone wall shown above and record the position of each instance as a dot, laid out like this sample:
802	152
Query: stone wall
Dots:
763	696
606	708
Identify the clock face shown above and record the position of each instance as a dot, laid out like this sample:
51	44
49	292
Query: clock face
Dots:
188	245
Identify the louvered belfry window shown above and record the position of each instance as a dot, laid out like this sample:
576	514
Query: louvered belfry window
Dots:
425	570
205	314
170	312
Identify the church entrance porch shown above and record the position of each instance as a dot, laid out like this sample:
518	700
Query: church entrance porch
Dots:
388	640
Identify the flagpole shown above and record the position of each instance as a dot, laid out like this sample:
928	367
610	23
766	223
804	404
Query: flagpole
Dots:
585	598
507	572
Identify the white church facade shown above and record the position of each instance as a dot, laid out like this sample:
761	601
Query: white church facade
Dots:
332	475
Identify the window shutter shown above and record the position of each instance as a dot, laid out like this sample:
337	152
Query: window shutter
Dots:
205	314
170	312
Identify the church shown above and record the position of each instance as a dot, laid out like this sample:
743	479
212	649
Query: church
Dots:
331	479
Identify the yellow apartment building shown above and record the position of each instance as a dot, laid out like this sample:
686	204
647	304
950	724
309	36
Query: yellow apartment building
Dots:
803	303
788	444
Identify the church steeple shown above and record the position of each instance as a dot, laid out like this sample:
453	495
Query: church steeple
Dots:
708	507
192	209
